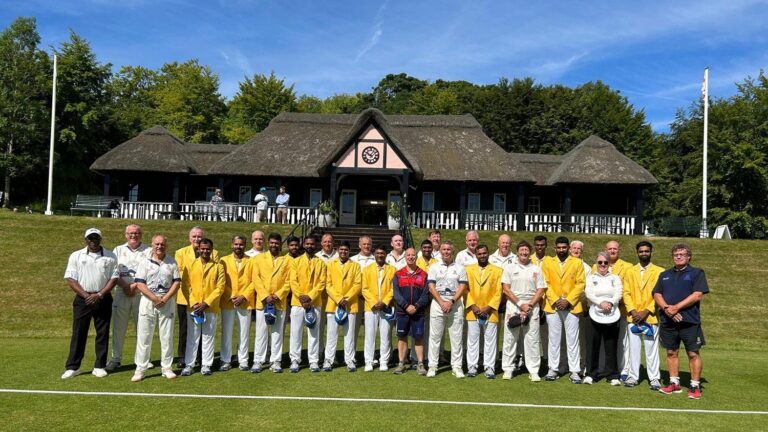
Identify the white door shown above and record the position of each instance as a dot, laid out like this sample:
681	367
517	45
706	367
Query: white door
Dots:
348	207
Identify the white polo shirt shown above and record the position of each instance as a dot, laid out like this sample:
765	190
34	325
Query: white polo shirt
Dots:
523	280
363	260
501	261
603	288
92	270
252	252
397	263
465	258
327	257
128	260
447	278
158	276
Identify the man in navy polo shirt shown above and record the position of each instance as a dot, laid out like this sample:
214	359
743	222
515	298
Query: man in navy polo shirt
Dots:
678	294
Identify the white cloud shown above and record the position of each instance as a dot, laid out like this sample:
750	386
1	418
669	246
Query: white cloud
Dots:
376	34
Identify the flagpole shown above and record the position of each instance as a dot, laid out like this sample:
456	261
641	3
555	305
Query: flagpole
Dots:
48	211
705	90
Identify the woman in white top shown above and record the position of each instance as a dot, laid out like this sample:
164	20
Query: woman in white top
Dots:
603	290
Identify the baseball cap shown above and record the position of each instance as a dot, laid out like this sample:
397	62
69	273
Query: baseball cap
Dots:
641	329
310	318
340	316
270	316
262	189
90	231
389	313
482	319
198	317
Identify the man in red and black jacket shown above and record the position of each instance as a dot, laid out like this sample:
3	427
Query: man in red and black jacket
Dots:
411	295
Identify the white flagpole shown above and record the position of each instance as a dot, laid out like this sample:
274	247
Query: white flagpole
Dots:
705	94
48	211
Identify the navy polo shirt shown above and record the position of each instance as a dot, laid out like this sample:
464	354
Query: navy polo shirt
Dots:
676	285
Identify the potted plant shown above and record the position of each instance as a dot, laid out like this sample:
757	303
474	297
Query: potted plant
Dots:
326	217
393	216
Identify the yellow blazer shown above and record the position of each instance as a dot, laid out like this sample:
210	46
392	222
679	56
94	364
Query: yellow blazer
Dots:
238	282
483	291
371	285
206	283
568	282
270	276
346	282
423	264
184	258
638	291
309	278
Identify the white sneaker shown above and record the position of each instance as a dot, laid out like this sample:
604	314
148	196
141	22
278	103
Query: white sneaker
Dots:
534	377
99	372
587	380
368	367
150	365
615	382
457	372
137	376
507	375
431	372
69	373
383	367
167	373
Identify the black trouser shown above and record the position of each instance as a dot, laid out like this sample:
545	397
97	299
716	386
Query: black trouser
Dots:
608	334
181	311
101	313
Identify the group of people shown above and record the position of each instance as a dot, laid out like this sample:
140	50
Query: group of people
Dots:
614	308
261	200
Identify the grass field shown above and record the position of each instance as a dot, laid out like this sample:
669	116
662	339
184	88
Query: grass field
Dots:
36	321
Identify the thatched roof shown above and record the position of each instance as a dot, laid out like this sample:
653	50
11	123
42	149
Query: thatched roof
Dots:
155	149
595	160
541	166
436	147
205	155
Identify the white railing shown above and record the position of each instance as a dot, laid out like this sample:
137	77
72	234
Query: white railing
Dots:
437	219
143	210
202	211
603	224
490	221
543	222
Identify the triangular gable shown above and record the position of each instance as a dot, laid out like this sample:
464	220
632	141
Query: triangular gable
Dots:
371	151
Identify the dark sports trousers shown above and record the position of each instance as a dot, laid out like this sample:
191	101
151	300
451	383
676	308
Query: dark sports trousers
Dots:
101	313
608	335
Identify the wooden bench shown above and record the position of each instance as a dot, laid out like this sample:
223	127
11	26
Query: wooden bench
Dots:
95	204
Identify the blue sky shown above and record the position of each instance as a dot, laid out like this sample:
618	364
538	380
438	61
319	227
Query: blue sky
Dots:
653	52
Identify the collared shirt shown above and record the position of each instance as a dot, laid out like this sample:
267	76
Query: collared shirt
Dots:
363	260
600	288
424	264
465	258
92	270
536	261
327	257
502	261
262	201
447	278
676	285
252	252
397	263
524	280
282	200
435	255
158	275
128	259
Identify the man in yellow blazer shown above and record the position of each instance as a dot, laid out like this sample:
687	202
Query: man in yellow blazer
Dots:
271	279
308	288
184	257
237	301
345	281
378	295
483	299
639	282
565	278
206	283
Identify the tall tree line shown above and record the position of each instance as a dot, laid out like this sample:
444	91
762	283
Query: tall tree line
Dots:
98	109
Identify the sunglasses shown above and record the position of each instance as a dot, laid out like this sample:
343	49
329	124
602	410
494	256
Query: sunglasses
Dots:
602	262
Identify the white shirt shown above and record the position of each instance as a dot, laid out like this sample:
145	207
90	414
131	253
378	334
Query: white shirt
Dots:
397	263
523	280
128	259
465	258
435	254
326	257
252	252
363	260
261	200
92	270
603	288
501	261
158	276
447	278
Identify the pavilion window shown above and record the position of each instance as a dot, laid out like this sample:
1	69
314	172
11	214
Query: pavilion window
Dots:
499	202
133	193
245	195
427	201
315	196
209	192
534	204
473	201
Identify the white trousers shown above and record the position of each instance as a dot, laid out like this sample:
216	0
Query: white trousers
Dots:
651	345
529	335
332	339
123	308
313	335
490	344
275	334
194	332
454	320
375	321
227	328
149	316
556	321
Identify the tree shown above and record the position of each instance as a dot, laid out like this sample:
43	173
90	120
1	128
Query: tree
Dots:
187	101
256	103
133	102
24	88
